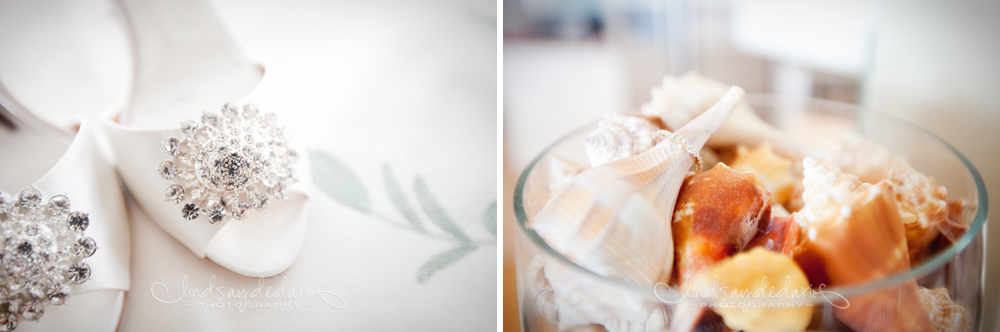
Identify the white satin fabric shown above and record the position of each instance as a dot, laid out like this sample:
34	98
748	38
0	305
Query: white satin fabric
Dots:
263	245
89	181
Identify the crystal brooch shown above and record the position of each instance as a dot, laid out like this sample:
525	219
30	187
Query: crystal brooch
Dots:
226	163
43	251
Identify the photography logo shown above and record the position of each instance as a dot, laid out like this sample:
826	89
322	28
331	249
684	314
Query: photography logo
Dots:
267	295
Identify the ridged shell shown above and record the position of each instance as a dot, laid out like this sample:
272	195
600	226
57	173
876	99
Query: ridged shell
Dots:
945	314
855	235
619	136
614	219
773	172
680	99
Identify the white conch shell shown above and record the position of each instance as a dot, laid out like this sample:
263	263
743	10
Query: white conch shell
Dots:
682	98
614	219
619	136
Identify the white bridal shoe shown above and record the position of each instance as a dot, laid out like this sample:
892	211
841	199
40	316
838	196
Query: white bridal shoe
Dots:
65	236
216	172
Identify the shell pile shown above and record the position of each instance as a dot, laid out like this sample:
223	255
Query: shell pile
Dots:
771	212
614	219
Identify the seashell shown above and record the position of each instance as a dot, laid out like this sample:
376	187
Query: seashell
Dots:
716	215
772	171
574	301
944	314
613	219
748	276
781	234
619	136
854	234
706	231
922	205
680	99
561	171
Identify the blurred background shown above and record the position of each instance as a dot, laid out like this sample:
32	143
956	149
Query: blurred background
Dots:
567	62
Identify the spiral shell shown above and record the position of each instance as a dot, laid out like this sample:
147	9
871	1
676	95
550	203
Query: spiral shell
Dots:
618	137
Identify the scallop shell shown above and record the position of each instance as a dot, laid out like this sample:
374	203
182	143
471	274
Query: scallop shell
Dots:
855	235
773	172
680	99
746	277
716	215
618	137
613	219
944	314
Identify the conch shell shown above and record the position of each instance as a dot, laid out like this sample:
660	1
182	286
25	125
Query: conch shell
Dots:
772	171
619	136
614	219
756	275
923	207
945	314
680	99
855	235
923	204
716	215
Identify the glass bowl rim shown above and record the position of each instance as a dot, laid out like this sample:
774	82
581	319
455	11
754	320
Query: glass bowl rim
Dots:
864	113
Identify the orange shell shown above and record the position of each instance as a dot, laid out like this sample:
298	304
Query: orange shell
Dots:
857	237
716	215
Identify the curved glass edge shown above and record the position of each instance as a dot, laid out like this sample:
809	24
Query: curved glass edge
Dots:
923	269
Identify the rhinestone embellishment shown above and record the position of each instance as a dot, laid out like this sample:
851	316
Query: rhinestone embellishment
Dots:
228	162
42	248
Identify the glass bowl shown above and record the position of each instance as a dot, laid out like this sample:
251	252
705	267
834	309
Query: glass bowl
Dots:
589	301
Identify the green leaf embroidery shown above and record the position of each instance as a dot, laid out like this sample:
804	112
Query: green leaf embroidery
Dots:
399	199
433	210
490	218
442	260
339	182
